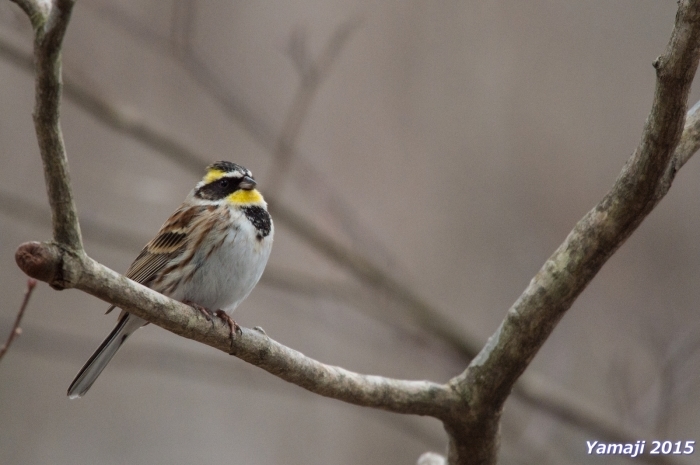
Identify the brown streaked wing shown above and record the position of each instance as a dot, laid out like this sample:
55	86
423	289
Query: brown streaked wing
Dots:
167	245
148	264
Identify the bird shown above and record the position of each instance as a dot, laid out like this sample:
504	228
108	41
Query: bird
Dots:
210	254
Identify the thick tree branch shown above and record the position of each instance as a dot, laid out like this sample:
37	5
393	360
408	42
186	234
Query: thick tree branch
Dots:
600	232
490	377
45	261
49	29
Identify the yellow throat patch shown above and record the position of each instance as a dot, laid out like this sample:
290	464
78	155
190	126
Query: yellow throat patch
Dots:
243	197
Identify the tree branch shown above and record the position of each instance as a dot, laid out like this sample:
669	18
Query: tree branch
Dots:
48	39
44	260
16	330
37	11
490	377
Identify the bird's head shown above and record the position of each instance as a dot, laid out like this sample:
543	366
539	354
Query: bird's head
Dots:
229	181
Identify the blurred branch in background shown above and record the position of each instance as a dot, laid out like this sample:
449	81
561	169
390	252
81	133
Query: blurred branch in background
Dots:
679	363
16	330
675	378
119	118
31	213
571	410
312	73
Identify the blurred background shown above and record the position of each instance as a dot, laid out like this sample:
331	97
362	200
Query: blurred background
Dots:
452	144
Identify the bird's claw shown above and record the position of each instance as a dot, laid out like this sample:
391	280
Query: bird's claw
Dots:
233	326
204	311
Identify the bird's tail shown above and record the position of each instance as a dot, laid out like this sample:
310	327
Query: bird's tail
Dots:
87	375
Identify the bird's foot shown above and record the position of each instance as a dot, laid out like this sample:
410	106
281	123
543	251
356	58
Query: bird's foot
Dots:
207	314
233	326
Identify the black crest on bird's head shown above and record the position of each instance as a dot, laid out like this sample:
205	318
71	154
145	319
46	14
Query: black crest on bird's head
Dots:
228	167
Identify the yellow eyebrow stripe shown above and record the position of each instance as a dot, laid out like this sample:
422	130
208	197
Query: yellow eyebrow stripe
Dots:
213	175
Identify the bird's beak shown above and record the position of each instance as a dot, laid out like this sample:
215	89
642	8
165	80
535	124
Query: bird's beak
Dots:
247	183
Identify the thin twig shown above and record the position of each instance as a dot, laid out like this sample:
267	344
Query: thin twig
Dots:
16	330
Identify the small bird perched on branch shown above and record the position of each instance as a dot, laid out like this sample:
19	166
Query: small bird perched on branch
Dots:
209	254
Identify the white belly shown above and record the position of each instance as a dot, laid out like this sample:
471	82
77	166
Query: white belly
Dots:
229	274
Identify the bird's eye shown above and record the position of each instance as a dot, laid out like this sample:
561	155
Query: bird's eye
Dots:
224	182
